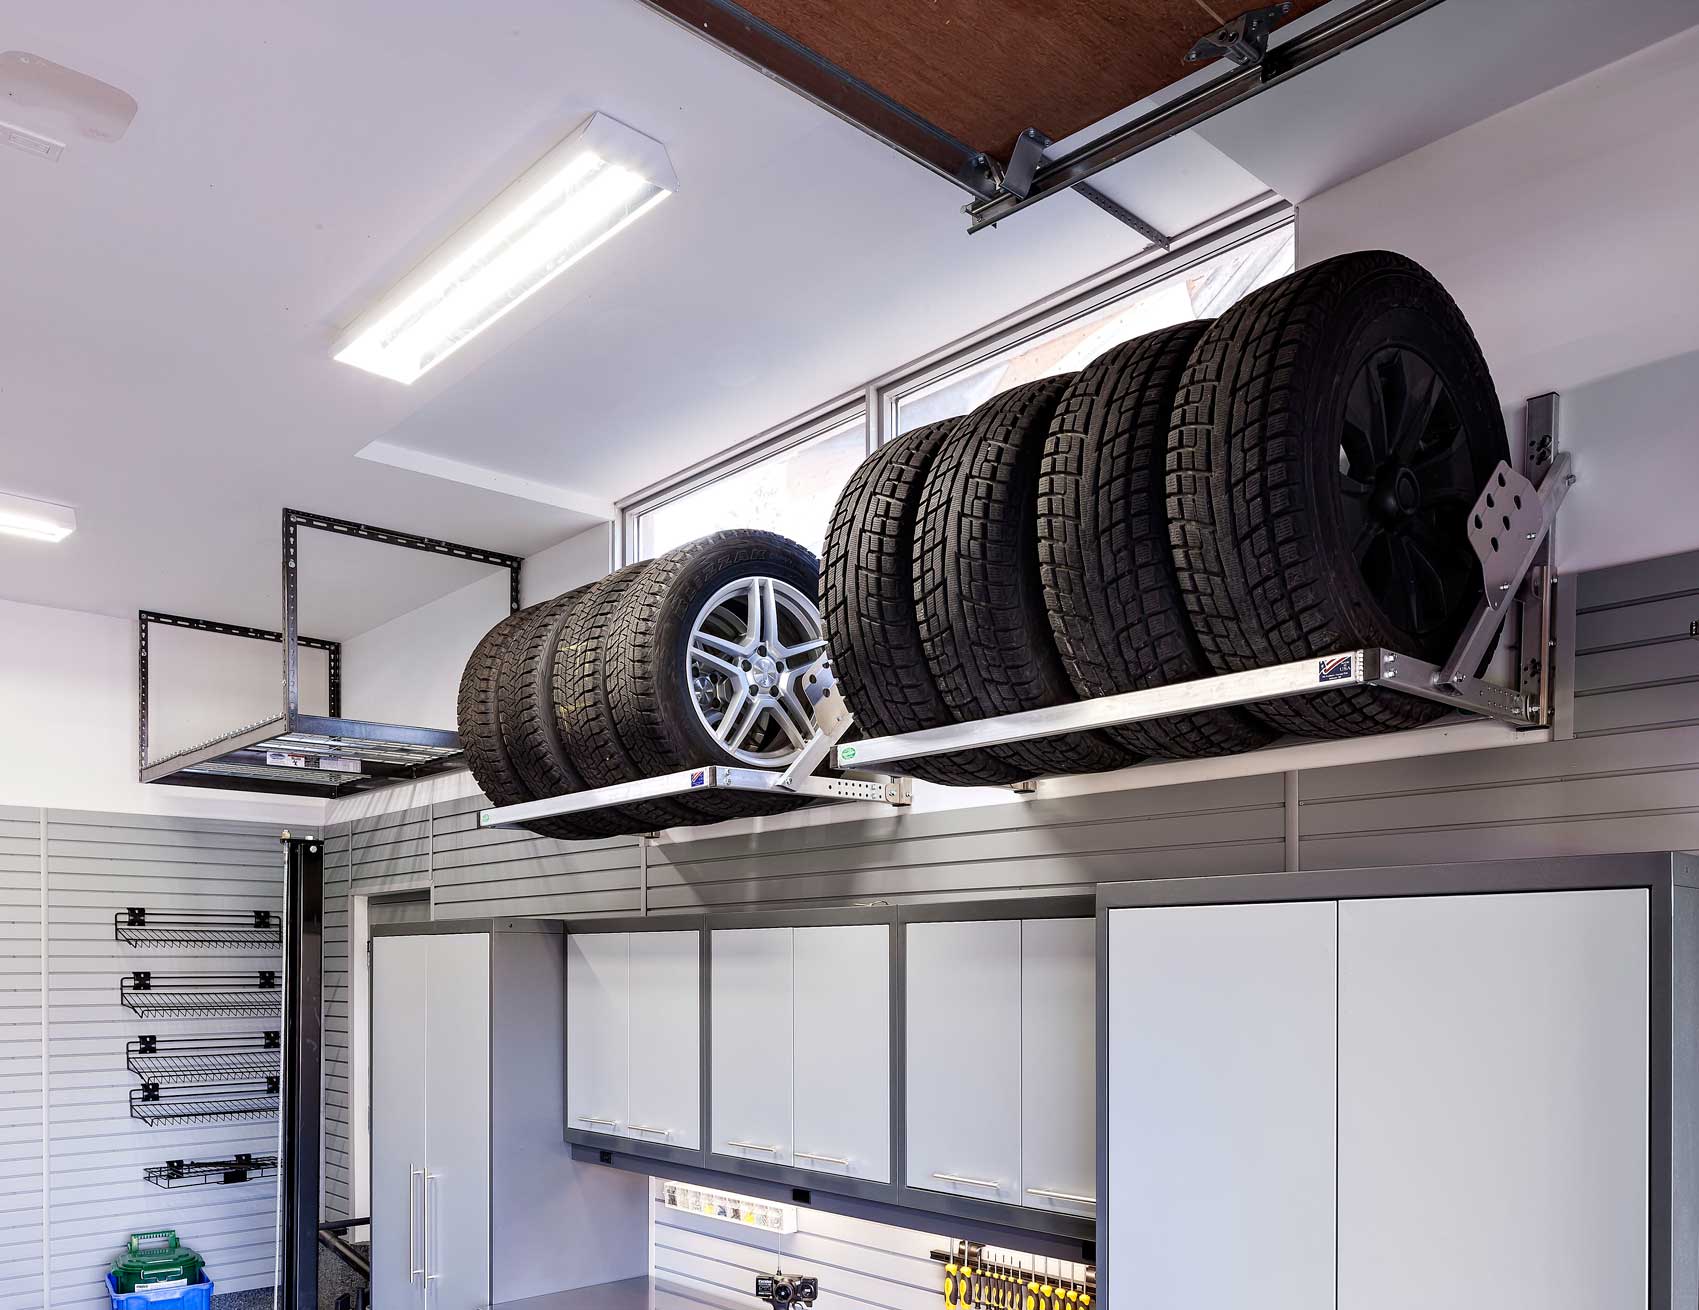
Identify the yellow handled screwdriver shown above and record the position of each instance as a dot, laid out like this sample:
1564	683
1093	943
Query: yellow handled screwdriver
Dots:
950	1284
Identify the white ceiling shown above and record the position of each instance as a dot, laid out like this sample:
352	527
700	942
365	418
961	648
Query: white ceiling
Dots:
172	298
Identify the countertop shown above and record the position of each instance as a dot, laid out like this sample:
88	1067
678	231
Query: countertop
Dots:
633	1294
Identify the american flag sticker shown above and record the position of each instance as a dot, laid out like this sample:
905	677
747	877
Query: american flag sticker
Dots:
699	778
1336	669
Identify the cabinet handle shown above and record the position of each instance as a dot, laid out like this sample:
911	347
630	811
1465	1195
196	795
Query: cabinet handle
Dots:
592	1119
755	1146
413	1271
429	1179
645	1128
971	1182
1062	1196
824	1159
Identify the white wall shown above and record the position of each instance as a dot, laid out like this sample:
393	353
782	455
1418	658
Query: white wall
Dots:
68	722
1565	228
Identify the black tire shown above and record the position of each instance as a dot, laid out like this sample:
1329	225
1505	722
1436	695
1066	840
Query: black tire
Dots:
647	662
1270	464
1114	603
529	728
976	581
585	719
867	581
478	714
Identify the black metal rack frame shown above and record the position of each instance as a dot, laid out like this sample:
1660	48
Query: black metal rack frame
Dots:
202	995
288	754
225	930
240	1168
158	1106
181	1061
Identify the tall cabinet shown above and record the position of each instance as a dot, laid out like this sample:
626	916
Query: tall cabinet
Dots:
475	1197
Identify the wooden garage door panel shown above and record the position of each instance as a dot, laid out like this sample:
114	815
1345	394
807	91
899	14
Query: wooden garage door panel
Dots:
985	70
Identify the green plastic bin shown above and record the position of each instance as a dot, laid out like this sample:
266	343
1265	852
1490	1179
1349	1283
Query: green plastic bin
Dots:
156	1259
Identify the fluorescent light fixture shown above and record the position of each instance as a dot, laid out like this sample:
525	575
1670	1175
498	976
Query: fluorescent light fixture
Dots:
602	177
39	520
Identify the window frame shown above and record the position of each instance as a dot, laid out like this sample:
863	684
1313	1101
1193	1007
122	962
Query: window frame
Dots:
876	401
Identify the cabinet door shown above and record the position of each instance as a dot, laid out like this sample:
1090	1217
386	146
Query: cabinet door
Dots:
1493	1094
399	969
455	1223
665	1089
1222	1062
597	1026
1059	1065
841	1050
962	1030
751	1016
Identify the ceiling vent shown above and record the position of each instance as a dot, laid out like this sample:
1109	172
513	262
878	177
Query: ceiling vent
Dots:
43	105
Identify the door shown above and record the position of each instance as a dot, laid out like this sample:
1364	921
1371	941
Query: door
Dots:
399	969
841	1050
962	1031
1222	1061
1059	1065
751	1014
598	1020
455	1217
664	1093
1493	1094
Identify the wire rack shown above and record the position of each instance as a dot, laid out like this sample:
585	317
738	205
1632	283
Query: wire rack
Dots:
157	1106
152	995
178	1061
239	930
241	1168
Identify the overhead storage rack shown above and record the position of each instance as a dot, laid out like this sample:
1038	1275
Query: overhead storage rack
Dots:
1521	595
302	754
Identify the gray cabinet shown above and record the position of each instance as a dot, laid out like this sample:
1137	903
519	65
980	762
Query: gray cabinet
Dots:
598	1009
1059	1065
664	1075
475	1197
841	1045
751	991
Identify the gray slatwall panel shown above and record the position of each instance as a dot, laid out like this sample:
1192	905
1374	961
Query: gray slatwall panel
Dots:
21	1114
479	872
1635	666
335	1181
98	864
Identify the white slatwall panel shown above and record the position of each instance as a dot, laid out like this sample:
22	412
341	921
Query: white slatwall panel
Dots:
98	864
336	1190
21	1118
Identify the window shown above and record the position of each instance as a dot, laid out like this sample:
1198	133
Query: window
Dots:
1202	291
791	491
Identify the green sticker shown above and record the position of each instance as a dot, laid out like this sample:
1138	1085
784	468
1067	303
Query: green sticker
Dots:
846	753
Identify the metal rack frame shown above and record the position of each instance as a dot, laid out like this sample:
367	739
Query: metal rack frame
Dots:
255	995
240	1168
158	1106
186	1061
1512	529
225	930
288	754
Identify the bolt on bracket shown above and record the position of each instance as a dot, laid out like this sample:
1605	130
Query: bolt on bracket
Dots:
1243	40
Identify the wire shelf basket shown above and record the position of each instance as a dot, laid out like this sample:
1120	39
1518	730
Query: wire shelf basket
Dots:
240	1168
179	1061
249	930
160	1107
256	995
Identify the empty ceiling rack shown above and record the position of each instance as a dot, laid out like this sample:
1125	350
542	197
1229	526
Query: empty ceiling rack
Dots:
240	1168
227	930
158	1106
302	754
178	1061
256	995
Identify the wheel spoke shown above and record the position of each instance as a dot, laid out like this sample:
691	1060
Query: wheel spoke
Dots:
700	653
740	718
769	631
1447	475
1364	541
1418	413
707	639
792	718
810	647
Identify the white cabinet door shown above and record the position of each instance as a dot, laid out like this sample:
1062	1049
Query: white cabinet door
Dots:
597	1028
750	1005
1493	1093
455	1222
1222	1061
399	969
962	1026
664	1096
1059	1065
842	1050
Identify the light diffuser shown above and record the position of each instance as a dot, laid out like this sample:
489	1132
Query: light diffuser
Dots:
39	520
602	177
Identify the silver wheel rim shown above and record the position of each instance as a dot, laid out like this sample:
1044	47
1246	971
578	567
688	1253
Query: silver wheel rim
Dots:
757	647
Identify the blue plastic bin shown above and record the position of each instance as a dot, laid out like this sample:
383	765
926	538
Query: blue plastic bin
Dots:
196	1296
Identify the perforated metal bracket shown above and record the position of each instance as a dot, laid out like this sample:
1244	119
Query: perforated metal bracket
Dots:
1243	40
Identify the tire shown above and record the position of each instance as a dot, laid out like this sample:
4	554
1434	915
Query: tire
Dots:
655	657
1110	590
530	732
478	714
867	581
588	730
976	580
1274	480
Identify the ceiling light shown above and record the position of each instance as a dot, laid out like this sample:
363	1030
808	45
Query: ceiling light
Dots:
39	520
565	205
